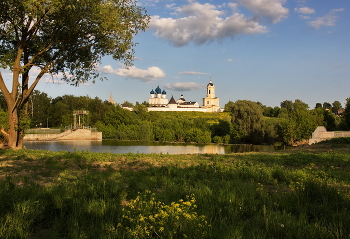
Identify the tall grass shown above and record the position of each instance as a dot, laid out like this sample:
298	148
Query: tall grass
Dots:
102	195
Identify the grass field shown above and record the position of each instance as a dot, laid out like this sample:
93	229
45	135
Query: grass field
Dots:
301	193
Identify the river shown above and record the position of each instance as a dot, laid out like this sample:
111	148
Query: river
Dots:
114	146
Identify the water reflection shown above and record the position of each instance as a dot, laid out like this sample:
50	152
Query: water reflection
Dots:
114	146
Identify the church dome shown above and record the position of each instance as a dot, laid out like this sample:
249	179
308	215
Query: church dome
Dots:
163	93
152	92
158	90
210	83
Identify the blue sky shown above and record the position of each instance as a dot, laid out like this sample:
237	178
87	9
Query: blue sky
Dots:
259	50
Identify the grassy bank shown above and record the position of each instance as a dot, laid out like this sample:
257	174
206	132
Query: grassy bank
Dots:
291	194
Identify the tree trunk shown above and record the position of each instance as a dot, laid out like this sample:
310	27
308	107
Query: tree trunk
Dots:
13	136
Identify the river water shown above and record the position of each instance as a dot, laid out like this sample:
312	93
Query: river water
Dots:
114	146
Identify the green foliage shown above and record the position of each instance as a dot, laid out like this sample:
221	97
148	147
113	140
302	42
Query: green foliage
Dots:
59	40
347	114
39	109
297	122
327	106
271	112
340	140
59	36
294	121
336	106
108	131
272	130
248	121
3	119
222	131
329	120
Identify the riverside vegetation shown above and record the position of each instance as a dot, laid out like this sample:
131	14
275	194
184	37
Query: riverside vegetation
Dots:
243	121
299	193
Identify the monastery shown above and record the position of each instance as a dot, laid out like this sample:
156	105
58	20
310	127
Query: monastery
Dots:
158	101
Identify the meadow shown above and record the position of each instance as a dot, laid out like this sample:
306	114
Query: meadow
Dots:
299	193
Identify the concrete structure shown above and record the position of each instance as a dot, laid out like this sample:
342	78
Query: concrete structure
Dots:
79	119
78	134
159	102
80	130
321	134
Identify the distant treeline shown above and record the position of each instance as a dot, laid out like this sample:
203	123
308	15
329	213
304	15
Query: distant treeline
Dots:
243	121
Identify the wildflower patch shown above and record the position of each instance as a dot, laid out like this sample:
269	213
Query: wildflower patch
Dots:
145	217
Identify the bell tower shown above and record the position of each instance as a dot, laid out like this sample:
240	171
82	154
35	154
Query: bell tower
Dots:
211	102
210	89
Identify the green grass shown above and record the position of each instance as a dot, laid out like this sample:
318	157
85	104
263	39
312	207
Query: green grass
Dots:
340	141
292	194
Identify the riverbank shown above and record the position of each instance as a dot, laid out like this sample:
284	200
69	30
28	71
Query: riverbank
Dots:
299	193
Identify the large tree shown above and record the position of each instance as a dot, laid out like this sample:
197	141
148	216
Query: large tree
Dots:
60	36
247	120
297	122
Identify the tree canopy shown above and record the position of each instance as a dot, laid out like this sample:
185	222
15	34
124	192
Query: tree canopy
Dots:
247	117
61	36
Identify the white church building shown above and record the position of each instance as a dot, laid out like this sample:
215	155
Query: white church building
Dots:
158	102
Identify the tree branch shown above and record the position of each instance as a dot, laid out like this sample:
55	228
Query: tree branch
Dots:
3	87
4	133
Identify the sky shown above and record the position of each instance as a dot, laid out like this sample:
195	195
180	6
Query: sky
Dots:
259	50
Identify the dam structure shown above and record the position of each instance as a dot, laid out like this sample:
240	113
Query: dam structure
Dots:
321	134
79	131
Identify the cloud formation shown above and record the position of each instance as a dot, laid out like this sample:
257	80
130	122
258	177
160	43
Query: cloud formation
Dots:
327	20
203	23
304	10
184	86
269	9
149	75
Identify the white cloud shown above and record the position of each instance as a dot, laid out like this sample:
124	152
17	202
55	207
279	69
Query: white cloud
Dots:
149	75
184	86
107	69
270	9
229	60
304	17
147	3
327	20
170	6
202	24
304	10
233	6
192	73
